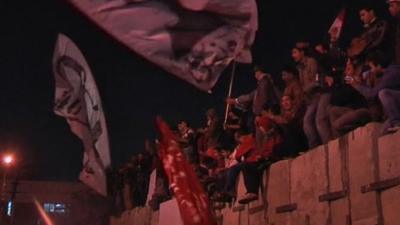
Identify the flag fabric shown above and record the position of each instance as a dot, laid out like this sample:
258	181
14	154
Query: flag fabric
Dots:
336	29
192	200
78	101
194	40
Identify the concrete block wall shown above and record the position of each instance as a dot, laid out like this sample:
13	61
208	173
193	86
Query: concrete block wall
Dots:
352	180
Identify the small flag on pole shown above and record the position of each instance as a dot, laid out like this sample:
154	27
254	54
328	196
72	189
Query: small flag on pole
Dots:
337	26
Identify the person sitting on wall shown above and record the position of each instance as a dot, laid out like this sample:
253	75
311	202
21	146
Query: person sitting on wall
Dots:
289	122
387	89
349	109
254	160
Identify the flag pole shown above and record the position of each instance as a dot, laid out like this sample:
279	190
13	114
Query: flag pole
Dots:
227	107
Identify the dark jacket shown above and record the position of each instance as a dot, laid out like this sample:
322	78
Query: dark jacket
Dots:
264	95
397	42
376	36
308	70
389	80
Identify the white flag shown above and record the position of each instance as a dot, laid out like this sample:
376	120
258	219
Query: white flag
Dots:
337	26
78	101
193	39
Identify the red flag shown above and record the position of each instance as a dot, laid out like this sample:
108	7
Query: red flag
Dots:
193	39
192	200
337	26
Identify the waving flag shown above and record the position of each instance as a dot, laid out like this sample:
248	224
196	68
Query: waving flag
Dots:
78	101
337	26
192	39
192	200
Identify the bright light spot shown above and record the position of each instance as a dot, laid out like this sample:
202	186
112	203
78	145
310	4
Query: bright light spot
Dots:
9	208
8	159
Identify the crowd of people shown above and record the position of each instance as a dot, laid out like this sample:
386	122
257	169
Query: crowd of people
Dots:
329	91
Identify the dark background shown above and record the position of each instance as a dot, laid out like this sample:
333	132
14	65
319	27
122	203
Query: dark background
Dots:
133	90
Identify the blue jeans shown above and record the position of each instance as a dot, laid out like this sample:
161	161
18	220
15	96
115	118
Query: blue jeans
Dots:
316	122
322	118
231	177
390	100
310	130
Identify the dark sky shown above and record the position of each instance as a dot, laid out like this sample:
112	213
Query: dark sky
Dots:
133	90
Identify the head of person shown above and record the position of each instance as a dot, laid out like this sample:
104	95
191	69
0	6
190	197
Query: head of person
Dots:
183	126
298	54
376	62
237	136
265	110
140	157
259	73
321	48
350	68
211	114
286	103
134	159
367	14
289	73
394	7
240	136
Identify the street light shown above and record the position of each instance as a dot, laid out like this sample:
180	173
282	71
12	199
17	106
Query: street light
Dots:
8	159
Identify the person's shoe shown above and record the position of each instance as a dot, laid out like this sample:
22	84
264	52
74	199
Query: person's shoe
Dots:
249	197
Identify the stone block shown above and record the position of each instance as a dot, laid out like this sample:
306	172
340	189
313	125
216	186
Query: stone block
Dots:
338	181
389	170
309	180
278	192
169	213
362	171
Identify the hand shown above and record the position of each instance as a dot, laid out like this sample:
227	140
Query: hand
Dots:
227	126
263	131
329	81
349	80
231	101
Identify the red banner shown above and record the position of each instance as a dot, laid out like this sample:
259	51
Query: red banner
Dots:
192	200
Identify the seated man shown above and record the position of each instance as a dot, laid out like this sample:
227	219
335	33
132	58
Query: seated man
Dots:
387	90
232	169
375	36
248	154
255	160
293	88
290	123
349	109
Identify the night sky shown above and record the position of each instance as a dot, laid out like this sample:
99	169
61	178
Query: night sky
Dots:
132	89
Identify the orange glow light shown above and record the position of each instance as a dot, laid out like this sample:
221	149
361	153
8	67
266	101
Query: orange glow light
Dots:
8	159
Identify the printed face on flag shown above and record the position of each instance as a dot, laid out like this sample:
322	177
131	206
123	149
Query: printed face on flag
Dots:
192	39
78	101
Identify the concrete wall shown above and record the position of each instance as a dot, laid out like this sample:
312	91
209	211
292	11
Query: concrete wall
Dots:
352	180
